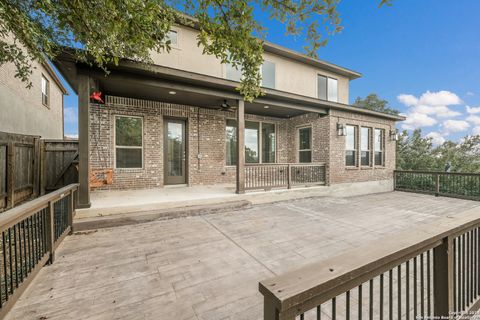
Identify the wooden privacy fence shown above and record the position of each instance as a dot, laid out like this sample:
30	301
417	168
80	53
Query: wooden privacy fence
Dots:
433	271
30	166
453	184
19	168
30	233
287	175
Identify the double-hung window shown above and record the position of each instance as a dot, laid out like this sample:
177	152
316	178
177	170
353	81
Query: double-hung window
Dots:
351	146
305	144
128	142
327	88
366	146
45	91
379	146
260	142
172	36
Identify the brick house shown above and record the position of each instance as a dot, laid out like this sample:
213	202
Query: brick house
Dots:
180	121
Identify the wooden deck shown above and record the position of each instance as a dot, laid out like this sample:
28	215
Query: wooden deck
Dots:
208	267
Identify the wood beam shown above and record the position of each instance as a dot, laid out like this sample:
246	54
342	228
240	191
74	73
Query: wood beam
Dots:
240	146
83	141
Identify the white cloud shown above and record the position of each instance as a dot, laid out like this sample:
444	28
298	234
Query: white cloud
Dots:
437	137
408	99
452	126
416	120
71	136
70	115
473	119
439	111
472	110
440	98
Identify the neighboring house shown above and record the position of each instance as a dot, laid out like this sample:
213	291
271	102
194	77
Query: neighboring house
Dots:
175	122
32	111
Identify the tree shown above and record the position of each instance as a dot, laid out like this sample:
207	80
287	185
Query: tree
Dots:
103	31
414	152
375	103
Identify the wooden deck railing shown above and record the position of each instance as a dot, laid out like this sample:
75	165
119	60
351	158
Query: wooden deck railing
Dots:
30	233
457	185
283	175
433	270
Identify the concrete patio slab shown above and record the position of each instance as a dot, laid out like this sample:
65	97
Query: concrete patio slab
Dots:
208	267
113	202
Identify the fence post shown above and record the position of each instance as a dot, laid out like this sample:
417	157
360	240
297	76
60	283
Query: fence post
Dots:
50	232
443	279
270	312
289	177
437	185
394	179
71	209
10	175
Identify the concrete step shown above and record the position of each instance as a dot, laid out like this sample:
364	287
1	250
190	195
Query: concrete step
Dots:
116	220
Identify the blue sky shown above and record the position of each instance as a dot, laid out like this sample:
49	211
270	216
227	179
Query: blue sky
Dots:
421	56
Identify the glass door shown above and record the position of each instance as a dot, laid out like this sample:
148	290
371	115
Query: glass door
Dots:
175	151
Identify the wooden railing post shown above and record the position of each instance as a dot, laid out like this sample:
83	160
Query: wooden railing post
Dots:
289	177
270	312
443	279
50	231
437	185
10	175
71	210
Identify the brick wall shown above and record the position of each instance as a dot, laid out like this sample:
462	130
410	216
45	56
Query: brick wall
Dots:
206	137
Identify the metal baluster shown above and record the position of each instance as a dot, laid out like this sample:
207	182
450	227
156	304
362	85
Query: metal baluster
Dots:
347	305
360	301
429	304
319	312
4	247
15	253
415	301
422	286
334	308
25	263
381	296
10	258
407	288
390	294
370	300
399	288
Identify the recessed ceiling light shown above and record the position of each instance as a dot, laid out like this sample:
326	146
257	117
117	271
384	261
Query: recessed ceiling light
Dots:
266	107
172	92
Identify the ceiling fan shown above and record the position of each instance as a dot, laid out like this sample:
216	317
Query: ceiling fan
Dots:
226	107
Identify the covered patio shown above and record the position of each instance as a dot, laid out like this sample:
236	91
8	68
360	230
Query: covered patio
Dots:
208	267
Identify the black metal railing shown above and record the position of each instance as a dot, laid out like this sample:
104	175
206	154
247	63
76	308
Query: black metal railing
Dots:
30	233
457	185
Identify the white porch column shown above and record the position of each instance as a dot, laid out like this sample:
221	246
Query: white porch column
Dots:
84	141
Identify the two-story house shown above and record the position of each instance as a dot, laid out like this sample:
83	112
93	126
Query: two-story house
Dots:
32	111
181	121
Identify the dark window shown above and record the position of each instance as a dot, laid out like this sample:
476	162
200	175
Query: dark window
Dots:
129	142
379	146
366	146
351	146
172	35
322	87
305	145
251	142
327	88
231	142
268	143
45	91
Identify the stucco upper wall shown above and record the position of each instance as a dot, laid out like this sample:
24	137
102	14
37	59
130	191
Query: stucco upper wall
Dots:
21	108
291	76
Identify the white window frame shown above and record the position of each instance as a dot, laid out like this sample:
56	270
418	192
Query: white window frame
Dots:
369	146
326	88
382	146
47	89
126	147
355	147
298	143
260	142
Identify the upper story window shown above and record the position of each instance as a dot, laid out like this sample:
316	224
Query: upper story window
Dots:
327	88
45	91
366	146
351	146
268	74
172	36
379	146
128	142
233	73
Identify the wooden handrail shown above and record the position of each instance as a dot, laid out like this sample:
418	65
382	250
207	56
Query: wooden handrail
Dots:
303	289
12	216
